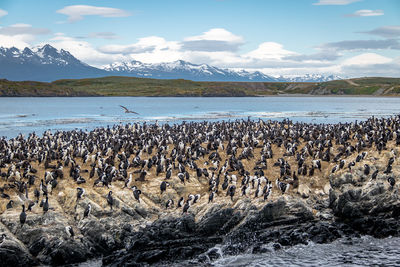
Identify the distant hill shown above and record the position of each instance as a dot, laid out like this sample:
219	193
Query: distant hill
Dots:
48	64
129	86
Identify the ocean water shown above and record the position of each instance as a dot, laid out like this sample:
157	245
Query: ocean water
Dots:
343	252
364	251
30	114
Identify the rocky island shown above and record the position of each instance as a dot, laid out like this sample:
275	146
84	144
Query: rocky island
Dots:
141	194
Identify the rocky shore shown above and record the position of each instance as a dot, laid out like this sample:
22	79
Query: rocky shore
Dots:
321	208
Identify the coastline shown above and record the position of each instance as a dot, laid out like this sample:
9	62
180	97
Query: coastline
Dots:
130	86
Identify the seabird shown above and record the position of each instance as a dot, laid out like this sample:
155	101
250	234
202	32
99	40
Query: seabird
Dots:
186	207
136	194
391	181
211	197
163	186
46	205
70	231
284	187
128	111
180	202
169	204
22	216
80	193
9	204
110	199
87	211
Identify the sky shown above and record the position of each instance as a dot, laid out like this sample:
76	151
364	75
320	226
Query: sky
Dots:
350	38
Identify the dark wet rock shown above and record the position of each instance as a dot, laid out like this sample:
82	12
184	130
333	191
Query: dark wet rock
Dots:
13	254
213	221
214	254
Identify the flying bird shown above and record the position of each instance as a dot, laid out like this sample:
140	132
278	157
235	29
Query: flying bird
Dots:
128	111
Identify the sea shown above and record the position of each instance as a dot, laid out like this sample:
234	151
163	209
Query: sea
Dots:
24	115
38	114
363	251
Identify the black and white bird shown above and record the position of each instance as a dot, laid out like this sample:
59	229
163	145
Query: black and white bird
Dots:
163	186
391	181
46	205
80	192
136	193
196	198
186	207
267	192
284	187
87	211
69	231
335	168
181	177
10	204
128	181
341	163
180	202
169	204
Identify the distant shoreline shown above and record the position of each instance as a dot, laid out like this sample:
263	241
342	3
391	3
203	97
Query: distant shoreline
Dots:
145	87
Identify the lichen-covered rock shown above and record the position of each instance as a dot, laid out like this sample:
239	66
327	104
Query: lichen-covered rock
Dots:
354	200
304	191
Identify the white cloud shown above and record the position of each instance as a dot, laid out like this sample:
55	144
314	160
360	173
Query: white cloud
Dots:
371	65
386	31
20	35
366	13
21	28
217	34
366	59
103	35
82	50
146	44
3	12
77	12
268	51
214	40
20	41
335	2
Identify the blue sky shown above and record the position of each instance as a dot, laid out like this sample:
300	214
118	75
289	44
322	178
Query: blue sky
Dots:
291	37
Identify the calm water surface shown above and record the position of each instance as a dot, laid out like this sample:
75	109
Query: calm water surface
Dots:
28	114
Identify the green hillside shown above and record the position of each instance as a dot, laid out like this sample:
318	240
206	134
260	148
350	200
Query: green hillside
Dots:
129	86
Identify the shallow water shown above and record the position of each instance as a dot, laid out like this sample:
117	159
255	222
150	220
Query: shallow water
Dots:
364	251
28	114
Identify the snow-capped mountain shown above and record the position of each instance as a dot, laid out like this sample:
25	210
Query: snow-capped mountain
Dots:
310	78
184	70
44	63
47	63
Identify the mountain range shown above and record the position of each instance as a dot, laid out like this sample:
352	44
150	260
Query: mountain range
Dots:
47	63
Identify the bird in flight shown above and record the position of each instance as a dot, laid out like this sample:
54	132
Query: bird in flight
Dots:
127	110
